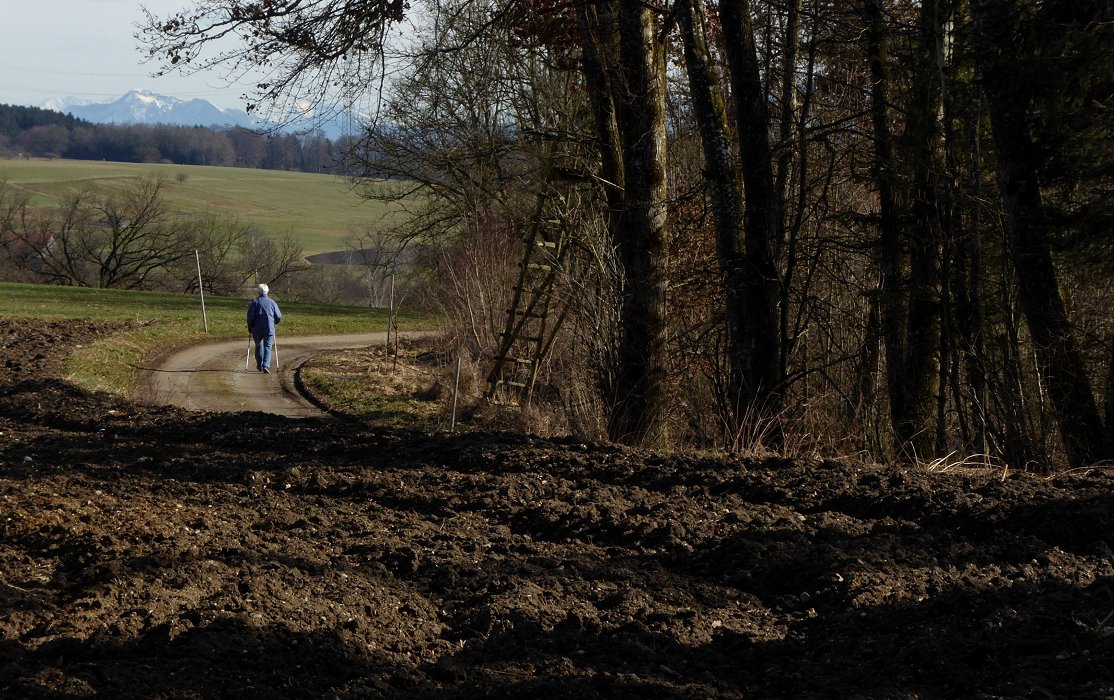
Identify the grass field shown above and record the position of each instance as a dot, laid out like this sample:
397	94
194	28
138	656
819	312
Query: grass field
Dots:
320	210
169	321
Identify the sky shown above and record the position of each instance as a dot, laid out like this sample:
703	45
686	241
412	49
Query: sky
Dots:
87	49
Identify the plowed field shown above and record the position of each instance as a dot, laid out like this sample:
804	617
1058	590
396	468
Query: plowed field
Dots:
151	552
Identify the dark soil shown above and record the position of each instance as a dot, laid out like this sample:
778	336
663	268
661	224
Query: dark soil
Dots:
149	552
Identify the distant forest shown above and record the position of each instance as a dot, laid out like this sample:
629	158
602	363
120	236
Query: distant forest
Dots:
30	131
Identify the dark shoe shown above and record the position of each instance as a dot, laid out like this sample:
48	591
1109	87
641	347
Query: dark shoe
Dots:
266	371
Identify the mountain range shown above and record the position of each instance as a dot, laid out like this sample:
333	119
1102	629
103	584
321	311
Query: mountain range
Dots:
146	107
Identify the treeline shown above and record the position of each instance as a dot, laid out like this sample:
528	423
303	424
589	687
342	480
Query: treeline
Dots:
877	228
34	132
14	120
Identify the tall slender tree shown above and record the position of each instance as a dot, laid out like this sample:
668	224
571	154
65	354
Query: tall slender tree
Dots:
1027	225
639	412
762	385
725	191
909	232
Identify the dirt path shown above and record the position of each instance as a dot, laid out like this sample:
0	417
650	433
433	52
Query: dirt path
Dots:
214	377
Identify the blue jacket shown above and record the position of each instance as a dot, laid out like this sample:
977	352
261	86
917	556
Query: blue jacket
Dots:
263	316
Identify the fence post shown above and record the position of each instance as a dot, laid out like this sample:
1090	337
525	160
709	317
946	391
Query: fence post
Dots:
201	288
393	324
456	392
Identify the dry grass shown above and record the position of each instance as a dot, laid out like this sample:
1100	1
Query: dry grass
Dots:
953	462
415	389
404	391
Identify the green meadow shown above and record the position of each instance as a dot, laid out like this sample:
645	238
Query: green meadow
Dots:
163	322
321	210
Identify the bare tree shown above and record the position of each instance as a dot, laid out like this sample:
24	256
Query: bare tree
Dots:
910	311
451	143
219	242
122	240
621	38
270	260
762	385
294	49
15	250
380	255
1027	227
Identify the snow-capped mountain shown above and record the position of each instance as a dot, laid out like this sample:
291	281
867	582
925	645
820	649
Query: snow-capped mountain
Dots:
146	107
64	104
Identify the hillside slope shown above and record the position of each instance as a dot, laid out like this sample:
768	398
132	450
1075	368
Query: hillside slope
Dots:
321	211
149	552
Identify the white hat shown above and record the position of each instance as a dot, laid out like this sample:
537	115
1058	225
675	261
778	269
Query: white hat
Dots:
262	289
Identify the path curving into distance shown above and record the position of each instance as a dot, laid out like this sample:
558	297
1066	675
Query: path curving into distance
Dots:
212	376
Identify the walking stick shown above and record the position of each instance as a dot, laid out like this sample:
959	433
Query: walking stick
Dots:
274	351
247	358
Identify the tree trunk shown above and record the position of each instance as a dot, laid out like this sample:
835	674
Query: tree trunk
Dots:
787	129
967	290
1060	362
725	190
922	345
1109	396
891	284
910	302
599	39
762	383
638	414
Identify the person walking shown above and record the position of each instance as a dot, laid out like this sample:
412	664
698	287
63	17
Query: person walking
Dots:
263	316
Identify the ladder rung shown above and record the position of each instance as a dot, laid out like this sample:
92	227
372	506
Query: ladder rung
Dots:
541	243
510	383
538	266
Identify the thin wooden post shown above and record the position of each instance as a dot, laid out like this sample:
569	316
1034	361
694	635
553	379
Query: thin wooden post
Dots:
392	324
390	320
201	288
456	392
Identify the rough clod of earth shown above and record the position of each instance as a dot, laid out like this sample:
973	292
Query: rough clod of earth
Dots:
148	552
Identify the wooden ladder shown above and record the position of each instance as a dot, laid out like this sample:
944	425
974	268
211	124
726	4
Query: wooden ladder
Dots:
531	323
